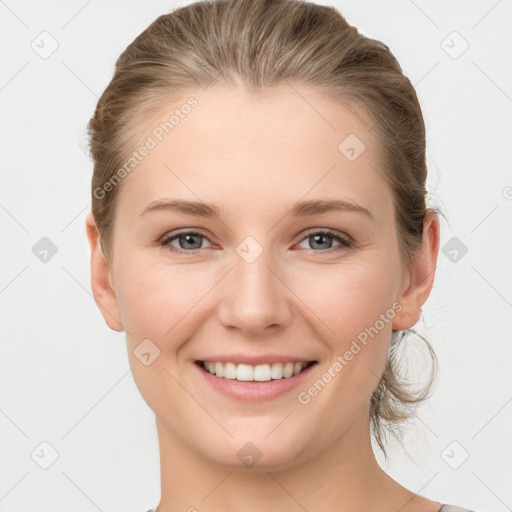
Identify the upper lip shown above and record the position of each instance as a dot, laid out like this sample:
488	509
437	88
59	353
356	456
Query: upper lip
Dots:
256	359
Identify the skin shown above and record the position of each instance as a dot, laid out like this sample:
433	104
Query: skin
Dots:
255	156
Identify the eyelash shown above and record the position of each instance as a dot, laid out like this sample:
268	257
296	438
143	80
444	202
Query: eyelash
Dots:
345	242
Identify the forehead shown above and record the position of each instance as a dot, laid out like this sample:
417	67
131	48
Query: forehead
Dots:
246	149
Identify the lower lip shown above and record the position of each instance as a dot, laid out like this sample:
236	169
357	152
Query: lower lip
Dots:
254	391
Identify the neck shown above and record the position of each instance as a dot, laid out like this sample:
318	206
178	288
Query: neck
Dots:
344	477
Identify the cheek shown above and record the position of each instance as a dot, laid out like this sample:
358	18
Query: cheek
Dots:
353	298
358	309
157	300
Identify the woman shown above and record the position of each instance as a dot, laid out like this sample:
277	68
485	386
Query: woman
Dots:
259	230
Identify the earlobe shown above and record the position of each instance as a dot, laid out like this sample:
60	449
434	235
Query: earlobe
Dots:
421	275
101	282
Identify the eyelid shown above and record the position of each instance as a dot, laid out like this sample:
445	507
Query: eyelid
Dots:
183	231
329	231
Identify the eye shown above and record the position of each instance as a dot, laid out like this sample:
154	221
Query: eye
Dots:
319	238
190	241
186	240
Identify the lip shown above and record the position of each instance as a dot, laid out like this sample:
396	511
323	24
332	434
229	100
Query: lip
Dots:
254	392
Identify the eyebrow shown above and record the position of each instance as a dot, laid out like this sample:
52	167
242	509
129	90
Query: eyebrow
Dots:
302	209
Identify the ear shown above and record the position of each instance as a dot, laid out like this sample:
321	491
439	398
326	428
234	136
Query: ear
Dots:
101	281
420	280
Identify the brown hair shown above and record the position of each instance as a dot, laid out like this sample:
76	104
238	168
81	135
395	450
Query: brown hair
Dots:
260	44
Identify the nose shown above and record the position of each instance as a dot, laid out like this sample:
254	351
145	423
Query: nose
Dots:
255	298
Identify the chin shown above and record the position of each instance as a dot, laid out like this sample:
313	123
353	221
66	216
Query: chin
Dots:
258	456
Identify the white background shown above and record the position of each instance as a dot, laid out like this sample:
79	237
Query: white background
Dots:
65	377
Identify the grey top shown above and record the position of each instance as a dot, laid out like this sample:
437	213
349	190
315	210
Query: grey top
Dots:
453	508
444	508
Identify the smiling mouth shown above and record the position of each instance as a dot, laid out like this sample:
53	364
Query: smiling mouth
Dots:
254	373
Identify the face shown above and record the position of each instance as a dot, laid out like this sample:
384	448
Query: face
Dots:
258	278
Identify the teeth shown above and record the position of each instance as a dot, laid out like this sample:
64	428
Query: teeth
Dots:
219	369
248	373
